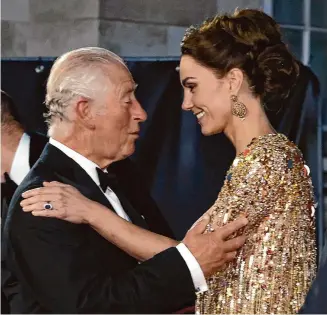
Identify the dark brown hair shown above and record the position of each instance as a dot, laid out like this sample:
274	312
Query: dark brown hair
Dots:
8	109
251	41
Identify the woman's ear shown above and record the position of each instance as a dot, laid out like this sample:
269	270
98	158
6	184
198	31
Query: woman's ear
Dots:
235	77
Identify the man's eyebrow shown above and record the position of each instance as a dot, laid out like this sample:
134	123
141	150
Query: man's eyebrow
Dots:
134	87
131	89
184	82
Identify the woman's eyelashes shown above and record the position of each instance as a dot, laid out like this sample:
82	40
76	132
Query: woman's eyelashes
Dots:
191	87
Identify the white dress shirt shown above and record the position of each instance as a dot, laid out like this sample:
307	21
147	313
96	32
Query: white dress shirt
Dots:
20	165
90	168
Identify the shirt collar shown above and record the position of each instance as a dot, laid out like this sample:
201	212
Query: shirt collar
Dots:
88	166
20	165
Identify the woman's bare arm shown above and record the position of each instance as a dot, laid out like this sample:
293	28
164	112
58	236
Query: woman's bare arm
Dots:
70	205
136	241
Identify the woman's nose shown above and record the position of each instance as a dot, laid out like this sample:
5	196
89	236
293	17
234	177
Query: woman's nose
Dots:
187	103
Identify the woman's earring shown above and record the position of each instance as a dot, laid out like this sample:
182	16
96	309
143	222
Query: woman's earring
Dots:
238	108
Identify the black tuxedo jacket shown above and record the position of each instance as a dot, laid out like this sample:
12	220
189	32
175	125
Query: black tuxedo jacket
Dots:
8	188
67	268
37	144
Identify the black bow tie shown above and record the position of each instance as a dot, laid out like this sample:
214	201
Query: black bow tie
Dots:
110	180
9	186
107	180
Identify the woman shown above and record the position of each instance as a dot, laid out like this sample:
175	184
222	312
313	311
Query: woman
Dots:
231	66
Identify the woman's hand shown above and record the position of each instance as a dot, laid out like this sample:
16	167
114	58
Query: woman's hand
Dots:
67	202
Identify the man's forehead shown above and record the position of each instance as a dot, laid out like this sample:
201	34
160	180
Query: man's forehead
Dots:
125	79
128	83
121	75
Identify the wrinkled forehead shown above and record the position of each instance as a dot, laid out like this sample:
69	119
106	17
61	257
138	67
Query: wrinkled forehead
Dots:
120	82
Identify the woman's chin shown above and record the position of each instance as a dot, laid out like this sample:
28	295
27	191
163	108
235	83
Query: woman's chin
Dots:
207	131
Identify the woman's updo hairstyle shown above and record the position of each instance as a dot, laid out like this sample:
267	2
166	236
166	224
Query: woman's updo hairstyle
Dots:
251	41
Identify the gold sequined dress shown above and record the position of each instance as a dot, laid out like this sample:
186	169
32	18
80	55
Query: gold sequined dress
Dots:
272	273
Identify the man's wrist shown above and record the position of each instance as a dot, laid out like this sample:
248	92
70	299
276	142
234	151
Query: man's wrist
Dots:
194	267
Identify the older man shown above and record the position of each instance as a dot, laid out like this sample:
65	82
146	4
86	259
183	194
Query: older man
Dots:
94	121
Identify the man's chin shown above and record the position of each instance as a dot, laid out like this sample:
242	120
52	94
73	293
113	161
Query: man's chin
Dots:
129	150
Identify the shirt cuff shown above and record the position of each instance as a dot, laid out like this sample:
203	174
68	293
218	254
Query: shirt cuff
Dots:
197	275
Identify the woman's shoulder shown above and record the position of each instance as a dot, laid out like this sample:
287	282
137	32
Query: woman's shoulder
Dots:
270	157
274	145
275	151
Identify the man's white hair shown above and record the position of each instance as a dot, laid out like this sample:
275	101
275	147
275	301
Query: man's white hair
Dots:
75	74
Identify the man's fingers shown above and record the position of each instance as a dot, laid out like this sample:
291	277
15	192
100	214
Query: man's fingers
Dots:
200	226
234	244
38	198
232	227
230	256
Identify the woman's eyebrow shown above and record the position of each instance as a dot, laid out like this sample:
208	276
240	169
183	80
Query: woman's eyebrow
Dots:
184	82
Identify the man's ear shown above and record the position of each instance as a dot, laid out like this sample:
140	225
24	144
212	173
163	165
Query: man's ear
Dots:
235	77
84	113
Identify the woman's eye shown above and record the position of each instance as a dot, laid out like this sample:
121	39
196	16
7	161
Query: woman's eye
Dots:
191	87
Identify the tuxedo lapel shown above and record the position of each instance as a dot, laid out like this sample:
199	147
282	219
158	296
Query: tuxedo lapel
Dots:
71	173
86	186
135	217
111	180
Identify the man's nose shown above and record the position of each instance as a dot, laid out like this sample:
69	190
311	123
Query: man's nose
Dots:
139	113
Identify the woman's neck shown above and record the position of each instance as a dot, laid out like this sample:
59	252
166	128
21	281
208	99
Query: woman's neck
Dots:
242	132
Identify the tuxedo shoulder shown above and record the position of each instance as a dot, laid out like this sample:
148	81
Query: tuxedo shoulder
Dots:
35	179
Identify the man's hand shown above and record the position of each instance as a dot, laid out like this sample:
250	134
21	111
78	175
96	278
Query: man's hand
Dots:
213	250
